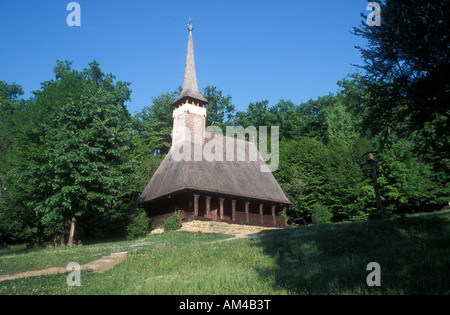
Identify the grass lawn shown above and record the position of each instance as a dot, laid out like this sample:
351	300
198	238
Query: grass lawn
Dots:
413	253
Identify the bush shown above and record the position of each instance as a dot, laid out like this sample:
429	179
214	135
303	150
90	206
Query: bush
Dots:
138	226
172	223
322	213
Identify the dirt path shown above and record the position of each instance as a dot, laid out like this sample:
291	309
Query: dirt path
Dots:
107	262
237	236
99	265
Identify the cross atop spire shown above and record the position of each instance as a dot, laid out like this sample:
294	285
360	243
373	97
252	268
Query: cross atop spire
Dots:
190	89
190	27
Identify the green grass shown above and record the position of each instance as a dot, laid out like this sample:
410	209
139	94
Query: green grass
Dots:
413	252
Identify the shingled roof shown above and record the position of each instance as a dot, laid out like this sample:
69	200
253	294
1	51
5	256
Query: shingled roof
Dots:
228	178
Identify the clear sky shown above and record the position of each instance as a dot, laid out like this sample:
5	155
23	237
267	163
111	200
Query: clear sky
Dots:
251	49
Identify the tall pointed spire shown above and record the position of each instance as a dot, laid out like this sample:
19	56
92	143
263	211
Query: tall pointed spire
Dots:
190	88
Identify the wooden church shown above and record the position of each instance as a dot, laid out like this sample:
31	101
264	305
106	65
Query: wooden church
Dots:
198	188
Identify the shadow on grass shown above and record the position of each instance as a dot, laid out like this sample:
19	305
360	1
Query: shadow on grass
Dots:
413	253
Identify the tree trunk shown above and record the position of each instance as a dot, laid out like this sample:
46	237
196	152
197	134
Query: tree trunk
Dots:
376	188
72	232
63	233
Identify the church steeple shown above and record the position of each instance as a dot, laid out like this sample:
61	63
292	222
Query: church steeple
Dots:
189	114
190	89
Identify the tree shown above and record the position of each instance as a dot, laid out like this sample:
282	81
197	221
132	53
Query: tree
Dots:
339	122
85	164
406	182
286	115
154	124
324	178
257	114
9	108
312	117
372	162
219	108
411	43
407	65
14	216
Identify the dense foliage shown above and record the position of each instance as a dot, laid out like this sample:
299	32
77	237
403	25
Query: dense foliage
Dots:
172	223
73	151
68	157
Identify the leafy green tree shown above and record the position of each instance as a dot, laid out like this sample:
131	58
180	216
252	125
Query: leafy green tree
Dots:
406	183
257	114
312	117
324	179
286	115
154	124
411	43
85	165
9	108
339	122
407	66
14	215
219	109
354	95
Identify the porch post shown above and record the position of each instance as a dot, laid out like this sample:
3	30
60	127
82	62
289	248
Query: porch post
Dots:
196	205
233	210
208	206
273	216
285	216
261	215
221	208
247	214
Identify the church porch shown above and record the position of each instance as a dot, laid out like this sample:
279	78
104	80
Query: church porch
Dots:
197	206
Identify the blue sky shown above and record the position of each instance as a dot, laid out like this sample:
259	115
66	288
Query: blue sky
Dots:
251	49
